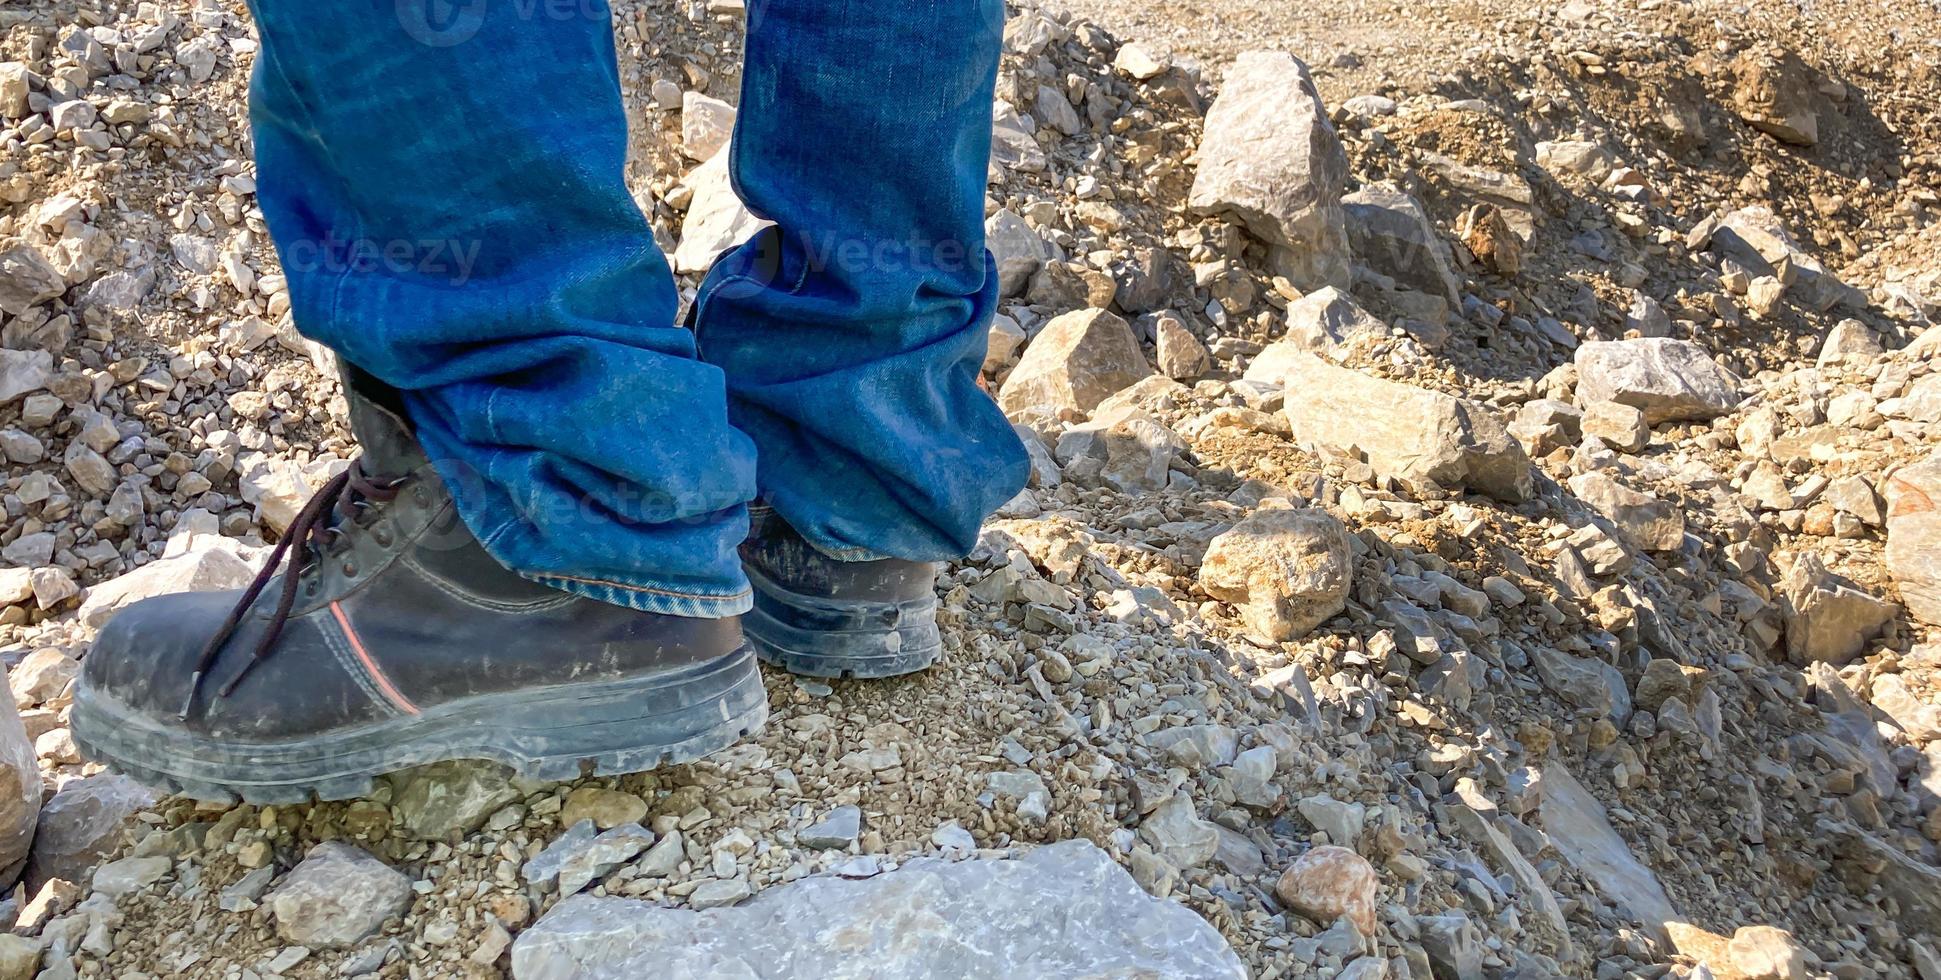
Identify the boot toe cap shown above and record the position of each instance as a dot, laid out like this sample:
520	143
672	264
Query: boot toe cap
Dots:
146	654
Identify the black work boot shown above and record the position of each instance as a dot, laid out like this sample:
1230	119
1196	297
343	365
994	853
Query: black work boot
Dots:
822	617
394	640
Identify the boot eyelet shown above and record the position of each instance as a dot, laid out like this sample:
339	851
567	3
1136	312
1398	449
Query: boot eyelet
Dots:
350	569
382	536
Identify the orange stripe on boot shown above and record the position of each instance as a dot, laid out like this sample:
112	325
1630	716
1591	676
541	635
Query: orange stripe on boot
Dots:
377	674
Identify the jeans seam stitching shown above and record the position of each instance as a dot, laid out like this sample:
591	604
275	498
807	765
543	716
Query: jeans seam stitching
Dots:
648	589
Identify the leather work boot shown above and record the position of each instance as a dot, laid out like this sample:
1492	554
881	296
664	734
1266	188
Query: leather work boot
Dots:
818	616
390	640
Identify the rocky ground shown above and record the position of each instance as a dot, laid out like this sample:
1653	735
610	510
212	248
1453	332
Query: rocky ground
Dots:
1483	524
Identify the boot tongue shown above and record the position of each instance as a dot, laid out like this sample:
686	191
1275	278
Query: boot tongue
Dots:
377	419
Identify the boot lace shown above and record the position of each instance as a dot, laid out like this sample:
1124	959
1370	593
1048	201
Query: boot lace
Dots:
310	537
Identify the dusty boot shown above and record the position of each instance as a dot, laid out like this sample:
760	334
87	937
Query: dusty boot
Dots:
818	616
392	640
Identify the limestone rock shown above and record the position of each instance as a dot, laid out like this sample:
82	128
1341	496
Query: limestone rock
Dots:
1773	91
1405	432
27	279
1453	946
1181	355
716	219
41	676
130	875
836	831
582	856
14	89
1766	953
448	800
1585	159
1618	426
1064	909
19	957
1487	234
279	488
1320	321
1545	425
1828	618
337	897
1329	883
202	569
1072	285
1891	694
706	125
1131	453
1848	338
1647	522
1077	361
1577	824
83	823
1141	61
1756	239
1391	233
1593	685
19	793
1176	833
1668	380
607	808
1016	247
1289	570
1269	158
1914	537
23	372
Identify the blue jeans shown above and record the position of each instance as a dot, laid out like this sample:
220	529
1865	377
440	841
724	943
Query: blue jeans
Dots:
443	180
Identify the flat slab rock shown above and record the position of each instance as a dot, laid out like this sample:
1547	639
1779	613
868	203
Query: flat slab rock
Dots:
1066	909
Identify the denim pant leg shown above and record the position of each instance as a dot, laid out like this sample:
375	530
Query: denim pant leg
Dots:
448	201
853	330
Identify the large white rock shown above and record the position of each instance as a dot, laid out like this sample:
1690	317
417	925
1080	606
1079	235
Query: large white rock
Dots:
26	279
1269	159
19	793
203	569
707	123
1668	380
716	219
1828	617
1648	522
83	823
1130	452
279	487
1318	322
337	897
1405	432
1914	537
1288	570
1757	239
1017	248
1077	361
1392	235
23	372
1063	910
1577	824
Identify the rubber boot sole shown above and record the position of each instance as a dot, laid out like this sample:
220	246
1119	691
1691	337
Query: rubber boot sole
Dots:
822	637
556	733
